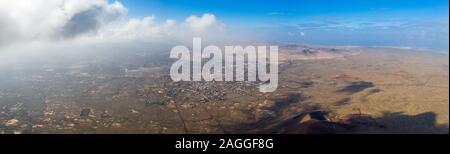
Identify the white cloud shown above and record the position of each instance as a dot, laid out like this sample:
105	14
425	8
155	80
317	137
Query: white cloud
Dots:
302	33
206	22
148	29
65	20
140	28
24	20
170	22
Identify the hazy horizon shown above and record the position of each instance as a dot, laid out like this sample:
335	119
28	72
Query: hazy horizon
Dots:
416	24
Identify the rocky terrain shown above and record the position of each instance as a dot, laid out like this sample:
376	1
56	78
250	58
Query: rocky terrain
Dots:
321	90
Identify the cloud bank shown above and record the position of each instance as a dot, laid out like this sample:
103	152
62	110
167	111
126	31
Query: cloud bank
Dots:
25	21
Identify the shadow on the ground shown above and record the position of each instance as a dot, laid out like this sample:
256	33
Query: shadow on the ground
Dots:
316	121
398	122
262	123
355	87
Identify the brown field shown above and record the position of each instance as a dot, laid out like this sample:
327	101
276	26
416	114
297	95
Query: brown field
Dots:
321	90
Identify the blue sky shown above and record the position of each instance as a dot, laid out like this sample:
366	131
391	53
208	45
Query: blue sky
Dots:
415	23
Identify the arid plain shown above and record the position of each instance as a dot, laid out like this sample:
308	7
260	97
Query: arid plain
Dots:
322	89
